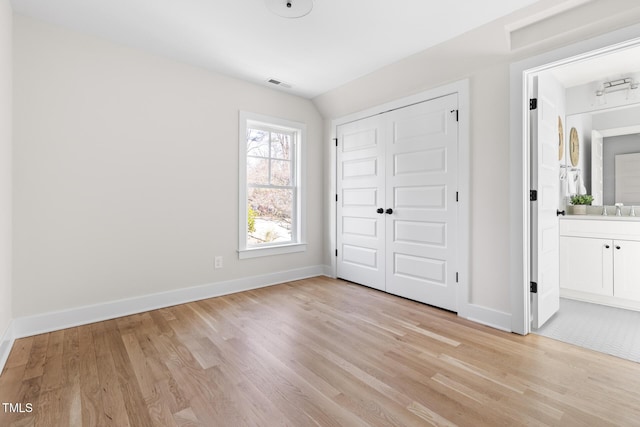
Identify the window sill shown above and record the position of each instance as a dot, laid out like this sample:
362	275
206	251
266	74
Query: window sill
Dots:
271	250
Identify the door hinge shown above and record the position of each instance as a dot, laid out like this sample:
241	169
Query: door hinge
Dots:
336	140
533	287
336	252
533	195
457	116
456	277
533	103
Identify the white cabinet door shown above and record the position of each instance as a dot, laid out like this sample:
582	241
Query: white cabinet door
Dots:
586	265
626	269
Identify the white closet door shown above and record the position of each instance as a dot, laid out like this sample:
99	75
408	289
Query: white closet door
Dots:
361	193
421	163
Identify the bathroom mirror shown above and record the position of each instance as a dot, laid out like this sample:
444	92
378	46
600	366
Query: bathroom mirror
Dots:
607	136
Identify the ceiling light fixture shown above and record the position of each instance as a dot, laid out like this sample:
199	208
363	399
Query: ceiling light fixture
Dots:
290	8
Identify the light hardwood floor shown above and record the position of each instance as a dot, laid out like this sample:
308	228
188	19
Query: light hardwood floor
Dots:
313	352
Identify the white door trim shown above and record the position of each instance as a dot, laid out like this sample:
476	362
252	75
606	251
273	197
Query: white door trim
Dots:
462	89
519	159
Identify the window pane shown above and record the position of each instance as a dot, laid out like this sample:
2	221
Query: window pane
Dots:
257	143
257	170
280	146
280	172
270	213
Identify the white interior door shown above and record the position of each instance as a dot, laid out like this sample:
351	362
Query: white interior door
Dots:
422	158
545	237
597	178
361	198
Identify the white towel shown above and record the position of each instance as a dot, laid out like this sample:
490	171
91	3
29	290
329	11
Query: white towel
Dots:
580	184
563	184
571	181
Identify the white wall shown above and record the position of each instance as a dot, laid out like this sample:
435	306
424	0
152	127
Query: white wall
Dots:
482	55
6	21
125	172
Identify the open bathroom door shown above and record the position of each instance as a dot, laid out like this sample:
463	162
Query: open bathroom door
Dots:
545	179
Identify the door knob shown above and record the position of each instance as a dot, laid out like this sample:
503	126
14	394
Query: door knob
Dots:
380	210
389	211
559	212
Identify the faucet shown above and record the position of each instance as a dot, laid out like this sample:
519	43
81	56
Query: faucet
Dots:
619	209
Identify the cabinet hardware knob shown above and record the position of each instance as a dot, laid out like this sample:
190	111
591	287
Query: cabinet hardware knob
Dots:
380	210
389	211
606	246
617	247
559	212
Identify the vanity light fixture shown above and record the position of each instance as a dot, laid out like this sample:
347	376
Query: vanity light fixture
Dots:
617	85
290	8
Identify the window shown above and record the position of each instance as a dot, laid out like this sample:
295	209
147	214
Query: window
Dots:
271	197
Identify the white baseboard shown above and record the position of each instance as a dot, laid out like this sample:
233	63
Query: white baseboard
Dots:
6	343
487	316
53	321
600	299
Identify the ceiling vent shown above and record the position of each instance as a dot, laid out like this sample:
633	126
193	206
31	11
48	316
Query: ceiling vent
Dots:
279	83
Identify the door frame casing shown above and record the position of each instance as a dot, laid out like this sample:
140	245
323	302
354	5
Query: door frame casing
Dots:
461	88
521	74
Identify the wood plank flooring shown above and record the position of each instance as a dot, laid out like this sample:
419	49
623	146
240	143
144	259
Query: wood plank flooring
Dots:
317	352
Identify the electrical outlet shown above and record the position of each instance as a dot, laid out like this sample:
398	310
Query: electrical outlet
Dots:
218	262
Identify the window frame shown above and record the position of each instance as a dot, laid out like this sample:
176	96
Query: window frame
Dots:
298	131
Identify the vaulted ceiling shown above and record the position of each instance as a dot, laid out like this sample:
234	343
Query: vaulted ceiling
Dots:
338	41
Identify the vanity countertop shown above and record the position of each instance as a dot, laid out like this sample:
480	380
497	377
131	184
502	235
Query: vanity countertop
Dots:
601	217
601	227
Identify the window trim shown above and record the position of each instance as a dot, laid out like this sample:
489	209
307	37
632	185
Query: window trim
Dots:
298	235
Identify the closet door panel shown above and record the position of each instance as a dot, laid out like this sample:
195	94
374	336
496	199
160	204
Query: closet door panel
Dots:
421	183
361	192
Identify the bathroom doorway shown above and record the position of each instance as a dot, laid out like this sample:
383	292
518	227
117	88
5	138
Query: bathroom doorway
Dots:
582	77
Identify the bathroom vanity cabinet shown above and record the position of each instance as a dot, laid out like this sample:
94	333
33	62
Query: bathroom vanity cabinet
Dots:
600	259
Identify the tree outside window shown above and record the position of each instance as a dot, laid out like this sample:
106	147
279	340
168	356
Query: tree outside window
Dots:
271	196
270	186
